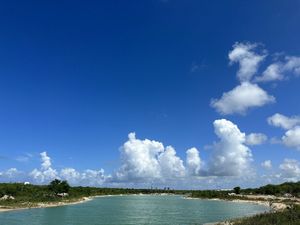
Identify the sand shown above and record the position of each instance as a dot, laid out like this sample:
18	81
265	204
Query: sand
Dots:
47	205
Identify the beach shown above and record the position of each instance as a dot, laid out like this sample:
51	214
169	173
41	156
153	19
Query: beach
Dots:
48	205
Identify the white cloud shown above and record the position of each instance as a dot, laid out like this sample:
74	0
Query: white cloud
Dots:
86	178
146	160
46	161
46	176
170	164
231	157
241	98
292	65
248	59
256	139
139	159
279	70
248	95
279	120
46	173
193	161
71	175
291	138
149	161
272	73
10	173
290	168
267	164
93	177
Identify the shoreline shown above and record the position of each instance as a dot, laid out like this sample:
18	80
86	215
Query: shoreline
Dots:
65	203
274	207
49	205
264	203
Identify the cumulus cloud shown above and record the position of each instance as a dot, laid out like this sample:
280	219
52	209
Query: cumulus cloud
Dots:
86	178
290	168
256	139
10	173
147	160
94	177
241	98
248	59
170	164
193	161
248	95
139	159
43	176
291	138
46	161
231	157
267	164
292	64
70	174
46	173
279	120
279	70
272	73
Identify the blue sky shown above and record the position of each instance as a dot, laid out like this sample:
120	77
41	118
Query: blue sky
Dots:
77	77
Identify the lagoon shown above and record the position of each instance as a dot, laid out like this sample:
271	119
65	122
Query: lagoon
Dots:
134	210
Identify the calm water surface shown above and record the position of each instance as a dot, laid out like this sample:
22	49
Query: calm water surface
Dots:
133	210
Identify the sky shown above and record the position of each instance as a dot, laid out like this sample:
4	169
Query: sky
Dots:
162	93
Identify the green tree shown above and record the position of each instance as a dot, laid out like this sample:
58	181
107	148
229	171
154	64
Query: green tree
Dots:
58	186
237	190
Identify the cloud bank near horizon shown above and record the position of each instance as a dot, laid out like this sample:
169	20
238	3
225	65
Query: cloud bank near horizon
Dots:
145	162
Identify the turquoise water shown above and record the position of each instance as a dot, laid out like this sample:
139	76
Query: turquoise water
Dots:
133	210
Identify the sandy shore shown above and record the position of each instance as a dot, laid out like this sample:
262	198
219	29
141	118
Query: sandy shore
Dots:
275	204
265	203
5	210
48	205
269	201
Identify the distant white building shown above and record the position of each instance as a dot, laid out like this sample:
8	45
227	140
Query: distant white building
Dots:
62	194
26	183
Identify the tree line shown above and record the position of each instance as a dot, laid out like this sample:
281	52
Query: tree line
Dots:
47	193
